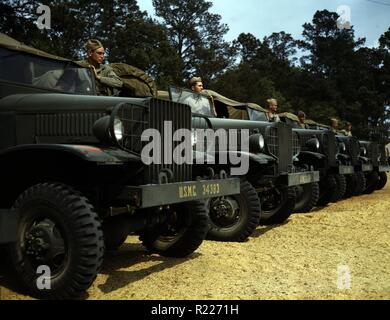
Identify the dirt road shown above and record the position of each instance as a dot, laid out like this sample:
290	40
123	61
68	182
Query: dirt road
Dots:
341	251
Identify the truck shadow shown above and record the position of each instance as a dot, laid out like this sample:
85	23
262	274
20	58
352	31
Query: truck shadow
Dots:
8	281
131	256
261	230
120	266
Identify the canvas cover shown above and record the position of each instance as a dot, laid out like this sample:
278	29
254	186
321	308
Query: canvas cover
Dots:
235	109
289	115
135	80
12	44
232	103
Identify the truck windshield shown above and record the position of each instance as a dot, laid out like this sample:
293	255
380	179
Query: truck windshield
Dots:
26	69
256	115
199	103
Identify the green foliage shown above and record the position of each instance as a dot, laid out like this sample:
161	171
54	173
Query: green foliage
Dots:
197	37
336	77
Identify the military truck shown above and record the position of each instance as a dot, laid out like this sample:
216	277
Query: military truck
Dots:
71	165
374	156
322	150
368	159
272	146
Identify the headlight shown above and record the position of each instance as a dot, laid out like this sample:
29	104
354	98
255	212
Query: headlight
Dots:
363	151
313	144
342	147
256	143
105	133
118	129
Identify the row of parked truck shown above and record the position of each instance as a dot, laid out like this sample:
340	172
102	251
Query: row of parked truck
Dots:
75	182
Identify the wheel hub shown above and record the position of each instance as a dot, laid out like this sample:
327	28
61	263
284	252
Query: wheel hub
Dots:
224	211
44	245
271	199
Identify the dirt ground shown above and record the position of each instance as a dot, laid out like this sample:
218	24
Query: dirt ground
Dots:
341	251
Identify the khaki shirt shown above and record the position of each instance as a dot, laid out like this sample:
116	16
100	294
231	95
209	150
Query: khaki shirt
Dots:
272	117
109	83
347	133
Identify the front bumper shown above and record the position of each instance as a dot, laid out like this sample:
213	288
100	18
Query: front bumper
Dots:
8	225
295	179
367	167
155	195
346	170
384	168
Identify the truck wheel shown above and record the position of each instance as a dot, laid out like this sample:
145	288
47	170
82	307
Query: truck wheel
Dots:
327	188
277	204
115	231
382	181
360	184
307	197
60	231
341	186
372	182
183	232
351	181
234	218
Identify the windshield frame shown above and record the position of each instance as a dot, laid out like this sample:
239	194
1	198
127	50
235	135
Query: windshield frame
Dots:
184	96
36	68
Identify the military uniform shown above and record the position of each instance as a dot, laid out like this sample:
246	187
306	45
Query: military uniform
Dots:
109	83
346	133
272	117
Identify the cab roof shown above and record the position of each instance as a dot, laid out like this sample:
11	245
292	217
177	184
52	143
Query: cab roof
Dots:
12	44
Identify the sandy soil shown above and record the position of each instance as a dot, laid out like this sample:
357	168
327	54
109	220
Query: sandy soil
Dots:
339	252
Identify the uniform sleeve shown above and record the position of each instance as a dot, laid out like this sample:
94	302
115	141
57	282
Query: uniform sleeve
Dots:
109	78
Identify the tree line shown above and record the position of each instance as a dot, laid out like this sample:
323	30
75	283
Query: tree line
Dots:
328	73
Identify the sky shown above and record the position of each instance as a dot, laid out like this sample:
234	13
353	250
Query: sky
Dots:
370	18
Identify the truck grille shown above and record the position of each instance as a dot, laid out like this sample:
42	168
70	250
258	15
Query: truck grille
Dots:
296	147
273	141
180	116
353	149
382	150
137	118
329	145
373	152
279	142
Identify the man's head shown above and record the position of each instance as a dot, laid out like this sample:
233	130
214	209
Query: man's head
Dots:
334	123
272	105
348	126
301	116
95	51
196	84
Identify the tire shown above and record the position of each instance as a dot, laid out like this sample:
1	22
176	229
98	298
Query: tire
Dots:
351	180
58	228
341	186
328	185
382	181
360	184
115	231
182	234
234	218
277	205
307	197
372	182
